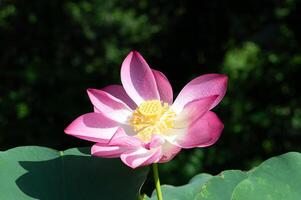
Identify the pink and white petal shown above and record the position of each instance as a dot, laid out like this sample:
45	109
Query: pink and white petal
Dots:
121	138
105	151
141	157
93	127
169	151
156	141
109	105
164	87
203	132
202	86
137	79
193	111
119	92
96	110
119	143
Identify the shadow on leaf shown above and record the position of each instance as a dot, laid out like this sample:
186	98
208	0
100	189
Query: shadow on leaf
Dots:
76	177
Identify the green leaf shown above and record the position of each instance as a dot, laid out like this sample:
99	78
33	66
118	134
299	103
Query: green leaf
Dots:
41	173
221	187
185	192
276	178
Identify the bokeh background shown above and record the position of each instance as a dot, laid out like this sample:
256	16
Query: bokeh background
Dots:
52	51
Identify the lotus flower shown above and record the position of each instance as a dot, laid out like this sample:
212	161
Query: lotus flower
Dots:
139	122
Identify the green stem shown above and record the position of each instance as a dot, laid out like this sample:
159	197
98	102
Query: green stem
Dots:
157	181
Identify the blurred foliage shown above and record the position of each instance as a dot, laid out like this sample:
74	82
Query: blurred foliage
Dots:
51	51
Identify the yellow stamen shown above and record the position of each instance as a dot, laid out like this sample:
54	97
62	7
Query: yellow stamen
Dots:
152	117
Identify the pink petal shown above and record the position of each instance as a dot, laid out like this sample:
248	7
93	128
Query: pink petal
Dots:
110	106
203	132
155	142
96	110
202	86
194	110
141	157
93	127
105	151
164	87
121	138
119	143
118	92
137	79
169	151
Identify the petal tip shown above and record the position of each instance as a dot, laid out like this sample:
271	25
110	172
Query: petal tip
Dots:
131	53
93	150
135	52
66	131
69	129
90	91
223	77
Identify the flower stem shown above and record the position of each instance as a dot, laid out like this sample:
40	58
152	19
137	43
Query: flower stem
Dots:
157	181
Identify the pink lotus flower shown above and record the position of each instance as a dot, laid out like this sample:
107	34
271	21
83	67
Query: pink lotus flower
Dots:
139	122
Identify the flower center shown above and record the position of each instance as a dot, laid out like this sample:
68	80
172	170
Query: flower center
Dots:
152	117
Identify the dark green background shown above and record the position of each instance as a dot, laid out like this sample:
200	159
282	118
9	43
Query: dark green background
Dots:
51	51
